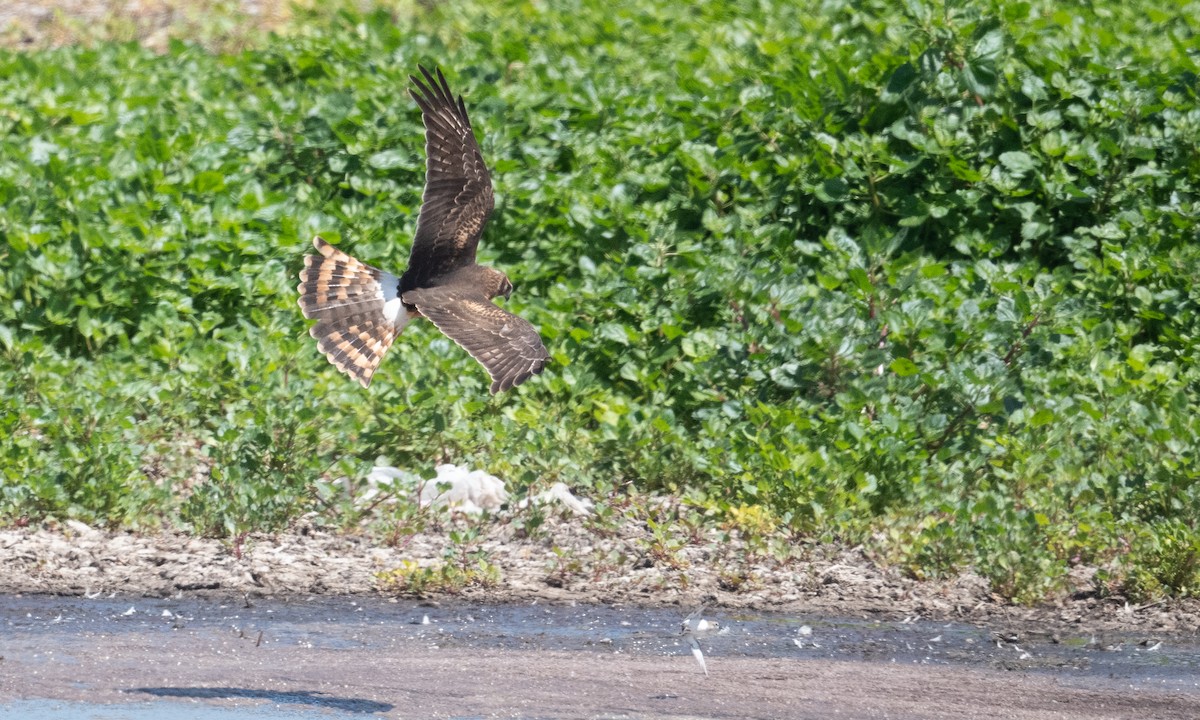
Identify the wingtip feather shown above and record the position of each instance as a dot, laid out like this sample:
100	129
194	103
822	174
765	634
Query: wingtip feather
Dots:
428	75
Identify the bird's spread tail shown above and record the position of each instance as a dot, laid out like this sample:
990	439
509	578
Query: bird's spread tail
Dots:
357	308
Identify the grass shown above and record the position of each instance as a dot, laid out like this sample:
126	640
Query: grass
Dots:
916	277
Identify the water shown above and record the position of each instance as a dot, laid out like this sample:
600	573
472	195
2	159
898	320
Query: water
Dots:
39	633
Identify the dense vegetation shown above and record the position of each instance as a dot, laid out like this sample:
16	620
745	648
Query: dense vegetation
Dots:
913	276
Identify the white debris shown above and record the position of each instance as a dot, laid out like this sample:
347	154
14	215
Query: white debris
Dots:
470	491
560	494
81	529
384	478
458	487
805	634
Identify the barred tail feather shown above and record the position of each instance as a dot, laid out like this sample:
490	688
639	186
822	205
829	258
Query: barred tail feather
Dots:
355	344
357	308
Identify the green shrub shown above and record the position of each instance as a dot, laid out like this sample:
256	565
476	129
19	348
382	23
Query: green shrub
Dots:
916	276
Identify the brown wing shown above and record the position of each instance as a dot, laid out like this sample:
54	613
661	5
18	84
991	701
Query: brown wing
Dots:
507	346
458	192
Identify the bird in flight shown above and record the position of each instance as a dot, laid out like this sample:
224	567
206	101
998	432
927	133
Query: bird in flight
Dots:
361	310
695	627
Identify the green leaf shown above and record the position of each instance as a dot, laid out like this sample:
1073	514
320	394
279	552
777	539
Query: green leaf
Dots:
860	278
901	80
980	77
904	367
989	45
1042	417
388	159
1018	162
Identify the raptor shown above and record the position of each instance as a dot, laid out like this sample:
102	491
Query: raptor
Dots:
361	310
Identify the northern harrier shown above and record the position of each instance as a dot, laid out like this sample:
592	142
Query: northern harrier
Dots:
360	310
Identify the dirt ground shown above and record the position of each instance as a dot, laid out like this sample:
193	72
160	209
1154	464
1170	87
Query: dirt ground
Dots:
444	683
565	562
37	24
342	657
384	673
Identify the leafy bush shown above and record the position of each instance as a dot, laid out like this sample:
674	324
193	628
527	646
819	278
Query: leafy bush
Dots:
920	277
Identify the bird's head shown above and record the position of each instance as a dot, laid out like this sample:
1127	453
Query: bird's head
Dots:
501	283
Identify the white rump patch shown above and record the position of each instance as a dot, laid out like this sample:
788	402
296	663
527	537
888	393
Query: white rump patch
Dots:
393	308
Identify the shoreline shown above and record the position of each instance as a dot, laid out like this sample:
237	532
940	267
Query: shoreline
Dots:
830	582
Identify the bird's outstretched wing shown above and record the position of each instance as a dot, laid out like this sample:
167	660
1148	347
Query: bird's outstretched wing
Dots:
458	191
507	346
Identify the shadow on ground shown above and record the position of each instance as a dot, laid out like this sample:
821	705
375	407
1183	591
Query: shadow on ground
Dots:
292	697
